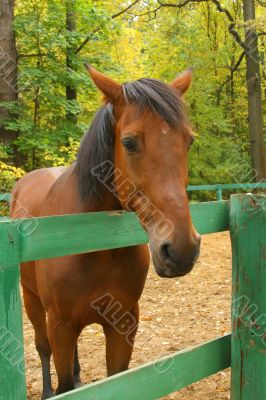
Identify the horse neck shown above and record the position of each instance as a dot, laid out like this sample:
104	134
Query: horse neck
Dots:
106	202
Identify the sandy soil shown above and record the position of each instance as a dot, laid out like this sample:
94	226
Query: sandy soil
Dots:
175	314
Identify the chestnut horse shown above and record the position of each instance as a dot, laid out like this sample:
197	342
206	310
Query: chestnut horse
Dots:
134	157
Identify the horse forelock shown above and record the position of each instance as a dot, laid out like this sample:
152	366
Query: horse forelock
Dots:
97	146
156	96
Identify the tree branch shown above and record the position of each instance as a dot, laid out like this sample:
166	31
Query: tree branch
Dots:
232	24
221	9
85	41
242	55
97	29
261	2
180	5
32	55
149	13
231	29
125	9
229	78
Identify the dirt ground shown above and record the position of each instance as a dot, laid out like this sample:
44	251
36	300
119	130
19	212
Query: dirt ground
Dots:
175	314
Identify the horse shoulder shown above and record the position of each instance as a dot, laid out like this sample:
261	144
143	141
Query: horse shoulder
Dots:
29	192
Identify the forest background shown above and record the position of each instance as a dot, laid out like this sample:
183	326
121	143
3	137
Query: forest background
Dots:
47	100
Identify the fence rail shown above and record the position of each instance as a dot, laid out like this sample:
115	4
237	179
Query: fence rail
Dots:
218	188
36	238
5	196
156	379
109	230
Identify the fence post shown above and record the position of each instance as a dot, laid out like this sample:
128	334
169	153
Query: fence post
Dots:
12	371
248	235
219	194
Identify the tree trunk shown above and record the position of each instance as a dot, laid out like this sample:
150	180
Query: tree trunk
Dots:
8	67
71	93
255	118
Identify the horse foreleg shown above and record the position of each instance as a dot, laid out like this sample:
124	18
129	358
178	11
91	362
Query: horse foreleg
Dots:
77	380
37	316
63	340
120	341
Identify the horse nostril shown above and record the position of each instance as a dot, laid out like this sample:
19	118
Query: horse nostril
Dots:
168	253
164	250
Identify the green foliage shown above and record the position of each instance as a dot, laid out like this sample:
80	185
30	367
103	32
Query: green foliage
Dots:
8	176
138	43
211	163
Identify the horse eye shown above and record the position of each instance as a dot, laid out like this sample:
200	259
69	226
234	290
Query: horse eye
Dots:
130	144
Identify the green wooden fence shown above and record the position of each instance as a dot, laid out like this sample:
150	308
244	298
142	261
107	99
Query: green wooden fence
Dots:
219	187
245	351
5	196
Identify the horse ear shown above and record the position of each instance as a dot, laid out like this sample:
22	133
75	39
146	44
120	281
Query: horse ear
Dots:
112	90
183	81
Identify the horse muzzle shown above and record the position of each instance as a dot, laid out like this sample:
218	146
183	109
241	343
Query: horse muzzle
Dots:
170	261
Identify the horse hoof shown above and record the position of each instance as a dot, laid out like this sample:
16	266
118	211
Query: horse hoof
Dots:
78	384
47	395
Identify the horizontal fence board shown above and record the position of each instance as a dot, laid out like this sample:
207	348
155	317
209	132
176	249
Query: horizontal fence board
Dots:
154	380
225	186
79	233
5	196
191	188
56	236
210	217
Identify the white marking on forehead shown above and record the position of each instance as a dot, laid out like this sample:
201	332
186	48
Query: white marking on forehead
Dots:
165	128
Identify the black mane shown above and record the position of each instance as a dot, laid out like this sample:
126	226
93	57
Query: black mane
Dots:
97	146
